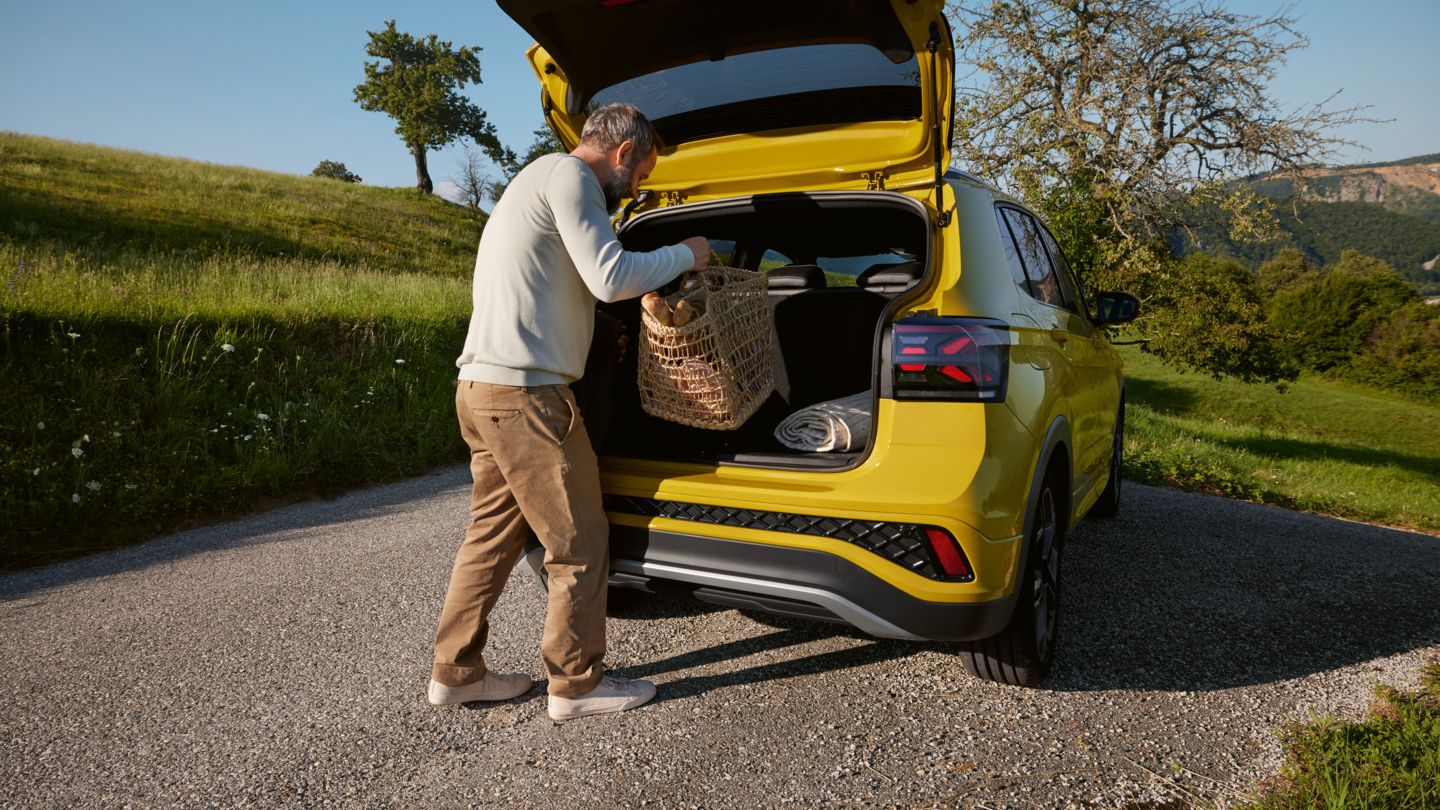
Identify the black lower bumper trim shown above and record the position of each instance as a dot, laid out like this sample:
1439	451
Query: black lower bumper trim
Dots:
806	570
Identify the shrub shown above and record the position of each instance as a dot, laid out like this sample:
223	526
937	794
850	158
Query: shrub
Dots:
1329	319
335	171
1404	352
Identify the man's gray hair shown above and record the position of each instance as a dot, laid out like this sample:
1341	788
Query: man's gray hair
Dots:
611	125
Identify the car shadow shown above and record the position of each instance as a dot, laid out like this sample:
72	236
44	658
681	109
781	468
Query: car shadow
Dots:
1236	594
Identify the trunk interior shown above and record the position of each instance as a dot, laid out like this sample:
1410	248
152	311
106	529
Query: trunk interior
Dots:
836	263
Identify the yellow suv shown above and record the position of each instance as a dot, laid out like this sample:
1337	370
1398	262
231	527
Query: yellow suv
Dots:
808	139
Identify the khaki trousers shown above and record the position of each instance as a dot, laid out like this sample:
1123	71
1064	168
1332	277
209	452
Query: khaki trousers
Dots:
533	468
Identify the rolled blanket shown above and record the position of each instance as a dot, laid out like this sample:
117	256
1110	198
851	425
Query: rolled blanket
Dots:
839	425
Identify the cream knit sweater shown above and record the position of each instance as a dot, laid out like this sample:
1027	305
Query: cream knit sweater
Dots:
547	254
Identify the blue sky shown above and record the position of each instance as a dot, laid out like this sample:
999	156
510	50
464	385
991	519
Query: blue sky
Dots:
268	84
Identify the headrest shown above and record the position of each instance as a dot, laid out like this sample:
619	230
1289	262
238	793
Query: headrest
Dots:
890	278
795	277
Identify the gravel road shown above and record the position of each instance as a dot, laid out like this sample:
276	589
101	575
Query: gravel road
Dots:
282	659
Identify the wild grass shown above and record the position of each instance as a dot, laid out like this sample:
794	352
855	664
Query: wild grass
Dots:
1389	760
182	342
1322	445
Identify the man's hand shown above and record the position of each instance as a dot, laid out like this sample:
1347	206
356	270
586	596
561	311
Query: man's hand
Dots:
700	246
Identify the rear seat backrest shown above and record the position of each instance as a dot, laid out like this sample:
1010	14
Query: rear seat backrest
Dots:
794	278
890	279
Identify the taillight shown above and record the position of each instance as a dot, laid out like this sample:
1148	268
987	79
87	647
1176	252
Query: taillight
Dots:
950	358
948	554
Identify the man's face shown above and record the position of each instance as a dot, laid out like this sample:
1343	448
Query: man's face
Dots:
630	171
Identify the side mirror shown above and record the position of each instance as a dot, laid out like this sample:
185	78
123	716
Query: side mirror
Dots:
1113	308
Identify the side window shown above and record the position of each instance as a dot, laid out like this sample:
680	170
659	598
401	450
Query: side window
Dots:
724	251
1068	282
1043	284
772	259
1012	253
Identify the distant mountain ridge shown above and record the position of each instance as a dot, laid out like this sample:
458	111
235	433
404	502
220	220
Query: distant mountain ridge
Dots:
1387	210
1410	186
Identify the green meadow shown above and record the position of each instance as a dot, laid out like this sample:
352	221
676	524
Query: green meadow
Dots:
182	342
1322	445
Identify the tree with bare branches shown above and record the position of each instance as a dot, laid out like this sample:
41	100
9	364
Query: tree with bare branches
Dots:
1117	119
471	178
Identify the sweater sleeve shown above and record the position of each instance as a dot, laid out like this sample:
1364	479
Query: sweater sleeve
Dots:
611	272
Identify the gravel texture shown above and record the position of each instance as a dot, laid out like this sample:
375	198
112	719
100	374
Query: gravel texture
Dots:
282	659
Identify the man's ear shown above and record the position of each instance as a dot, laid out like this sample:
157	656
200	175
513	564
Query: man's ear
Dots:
622	152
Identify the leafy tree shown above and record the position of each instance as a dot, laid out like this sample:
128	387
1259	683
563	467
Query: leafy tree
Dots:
1211	315
1288	269
418	84
1328	320
1115	118
335	171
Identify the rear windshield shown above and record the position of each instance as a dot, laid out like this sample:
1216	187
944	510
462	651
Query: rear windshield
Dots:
787	87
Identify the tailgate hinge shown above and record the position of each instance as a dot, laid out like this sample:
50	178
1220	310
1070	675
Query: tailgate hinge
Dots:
874	181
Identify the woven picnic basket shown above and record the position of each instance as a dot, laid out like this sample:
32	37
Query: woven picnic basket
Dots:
716	370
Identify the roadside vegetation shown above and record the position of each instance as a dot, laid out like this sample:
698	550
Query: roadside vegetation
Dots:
1391	759
182	342
1322	445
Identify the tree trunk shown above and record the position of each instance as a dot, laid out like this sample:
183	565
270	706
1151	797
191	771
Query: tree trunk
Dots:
422	170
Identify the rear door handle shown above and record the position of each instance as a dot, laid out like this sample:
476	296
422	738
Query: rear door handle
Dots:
1059	335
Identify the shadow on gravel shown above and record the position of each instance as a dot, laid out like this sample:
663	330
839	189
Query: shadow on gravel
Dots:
876	651
286	524
1190	592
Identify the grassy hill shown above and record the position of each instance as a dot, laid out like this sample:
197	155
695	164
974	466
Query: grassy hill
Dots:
182	341
110	200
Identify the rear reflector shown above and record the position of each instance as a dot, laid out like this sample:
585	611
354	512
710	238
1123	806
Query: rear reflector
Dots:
948	554
958	359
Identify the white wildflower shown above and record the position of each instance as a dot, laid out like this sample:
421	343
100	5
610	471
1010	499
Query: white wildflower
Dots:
93	486
76	452
85	438
399	362
131	487
227	347
73	335
114	434
263	417
248	436
40	425
75	497
37	471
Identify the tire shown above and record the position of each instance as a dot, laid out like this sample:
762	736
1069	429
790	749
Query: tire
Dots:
1021	654
1108	505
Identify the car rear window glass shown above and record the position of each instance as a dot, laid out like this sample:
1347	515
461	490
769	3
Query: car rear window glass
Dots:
1043	284
1068	284
1012	253
676	98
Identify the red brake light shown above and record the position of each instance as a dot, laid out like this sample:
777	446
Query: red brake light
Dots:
961	359
948	553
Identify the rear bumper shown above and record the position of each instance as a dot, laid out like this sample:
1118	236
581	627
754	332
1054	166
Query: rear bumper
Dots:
793	582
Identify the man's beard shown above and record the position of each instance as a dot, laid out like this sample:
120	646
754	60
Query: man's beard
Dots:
619	186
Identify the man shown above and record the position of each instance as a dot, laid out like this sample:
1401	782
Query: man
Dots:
547	254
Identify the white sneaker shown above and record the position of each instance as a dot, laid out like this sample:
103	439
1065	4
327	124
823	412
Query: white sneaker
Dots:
493	687
612	694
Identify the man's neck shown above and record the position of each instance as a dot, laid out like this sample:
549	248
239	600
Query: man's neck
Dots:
596	160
